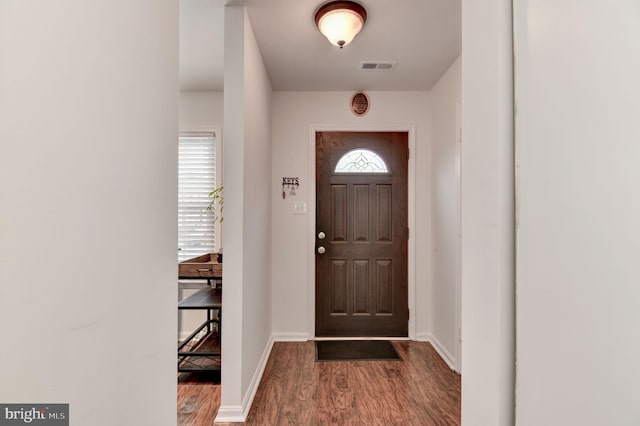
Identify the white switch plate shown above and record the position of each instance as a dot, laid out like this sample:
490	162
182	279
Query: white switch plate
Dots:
299	207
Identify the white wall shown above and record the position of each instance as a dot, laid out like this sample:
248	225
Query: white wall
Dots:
445	169
256	326
200	111
294	115
247	176
579	212
487	214
88	159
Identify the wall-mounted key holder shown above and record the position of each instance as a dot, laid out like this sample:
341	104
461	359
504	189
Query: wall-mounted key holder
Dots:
290	185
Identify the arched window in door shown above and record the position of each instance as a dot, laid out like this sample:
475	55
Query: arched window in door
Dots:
361	161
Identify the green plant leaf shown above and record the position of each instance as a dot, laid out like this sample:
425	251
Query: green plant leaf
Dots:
217	203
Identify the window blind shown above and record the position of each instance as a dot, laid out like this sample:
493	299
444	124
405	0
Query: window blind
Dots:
196	179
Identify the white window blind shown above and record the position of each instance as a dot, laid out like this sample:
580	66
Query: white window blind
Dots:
196	179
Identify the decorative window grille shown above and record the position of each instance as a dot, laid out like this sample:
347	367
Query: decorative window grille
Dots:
196	179
361	161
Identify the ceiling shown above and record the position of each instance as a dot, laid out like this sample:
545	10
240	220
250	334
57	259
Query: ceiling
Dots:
422	38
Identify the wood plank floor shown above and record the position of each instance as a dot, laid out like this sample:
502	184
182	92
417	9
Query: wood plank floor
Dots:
297	390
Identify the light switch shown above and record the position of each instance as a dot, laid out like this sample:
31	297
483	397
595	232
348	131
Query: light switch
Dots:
299	207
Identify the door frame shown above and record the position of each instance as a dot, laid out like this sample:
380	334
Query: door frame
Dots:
411	246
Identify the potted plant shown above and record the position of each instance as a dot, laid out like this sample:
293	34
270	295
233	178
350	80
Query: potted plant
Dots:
216	206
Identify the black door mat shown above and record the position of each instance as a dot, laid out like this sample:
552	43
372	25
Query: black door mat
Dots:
355	350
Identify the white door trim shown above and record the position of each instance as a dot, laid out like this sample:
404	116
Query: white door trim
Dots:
411	263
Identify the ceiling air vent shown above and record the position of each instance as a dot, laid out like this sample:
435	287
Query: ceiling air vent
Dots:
376	66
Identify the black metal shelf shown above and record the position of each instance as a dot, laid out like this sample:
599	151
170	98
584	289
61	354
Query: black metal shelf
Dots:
200	352
206	298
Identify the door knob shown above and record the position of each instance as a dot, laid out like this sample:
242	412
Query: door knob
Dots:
321	235
321	250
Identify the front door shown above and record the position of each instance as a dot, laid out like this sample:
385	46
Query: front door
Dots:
361	234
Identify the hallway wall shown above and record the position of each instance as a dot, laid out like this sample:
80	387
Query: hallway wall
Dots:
88	196
445	169
577	133
487	200
247	217
293	115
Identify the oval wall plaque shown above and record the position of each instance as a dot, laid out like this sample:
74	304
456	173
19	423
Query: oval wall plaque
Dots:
360	104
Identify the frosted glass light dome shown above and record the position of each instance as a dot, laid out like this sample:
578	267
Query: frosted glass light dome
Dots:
340	21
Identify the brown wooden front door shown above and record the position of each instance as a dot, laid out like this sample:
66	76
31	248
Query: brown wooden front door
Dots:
361	208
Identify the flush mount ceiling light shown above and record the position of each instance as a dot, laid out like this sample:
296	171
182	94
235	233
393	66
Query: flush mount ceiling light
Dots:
340	21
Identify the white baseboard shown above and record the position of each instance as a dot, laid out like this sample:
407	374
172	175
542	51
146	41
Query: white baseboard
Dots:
291	337
440	349
230	414
422	337
239	413
255	381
